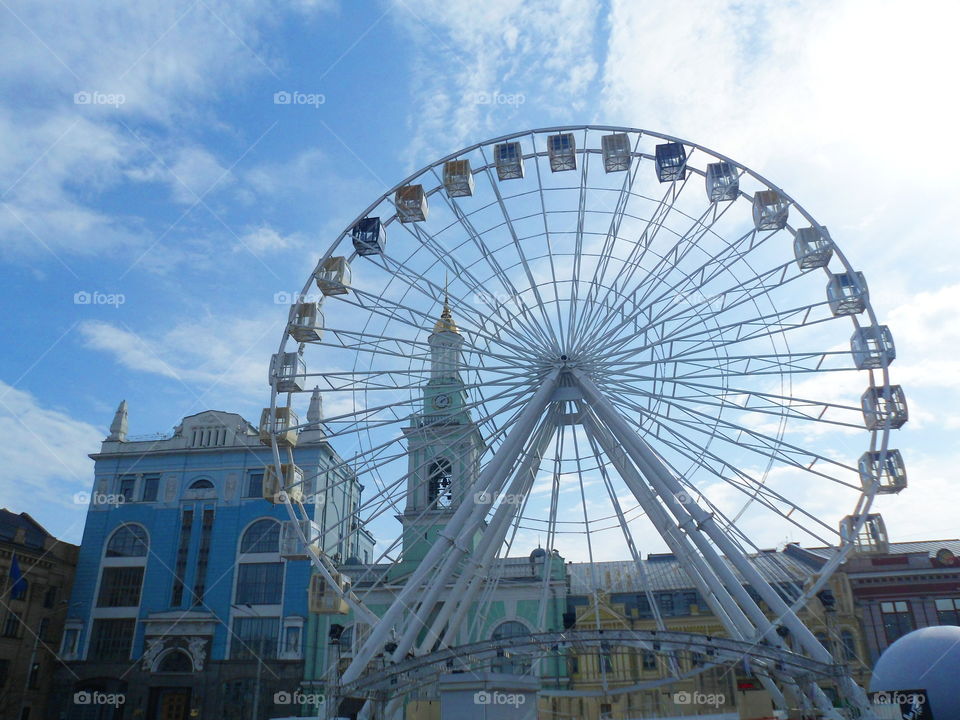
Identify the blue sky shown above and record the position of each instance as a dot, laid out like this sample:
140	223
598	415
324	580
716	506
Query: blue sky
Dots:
145	156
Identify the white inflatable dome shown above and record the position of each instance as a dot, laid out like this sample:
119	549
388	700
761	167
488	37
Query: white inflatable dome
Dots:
927	659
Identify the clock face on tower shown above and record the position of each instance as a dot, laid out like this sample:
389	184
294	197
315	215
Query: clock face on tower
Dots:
441	401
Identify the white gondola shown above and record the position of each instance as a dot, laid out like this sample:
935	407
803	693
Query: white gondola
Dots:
508	157
812	248
872	347
307	324
884	405
891	473
291	547
562	150
616	152
770	210
722	181
290	485
458	178
671	161
281	423
369	236
872	538
335	276
411	202
324	599
289	371
847	293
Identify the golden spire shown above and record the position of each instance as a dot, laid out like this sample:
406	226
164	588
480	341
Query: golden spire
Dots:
446	323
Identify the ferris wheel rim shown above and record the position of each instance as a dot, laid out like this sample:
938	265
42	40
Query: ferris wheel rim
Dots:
867	496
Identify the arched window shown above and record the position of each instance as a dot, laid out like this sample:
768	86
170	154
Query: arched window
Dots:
201	484
515	664
128	541
439	490
176	661
261	537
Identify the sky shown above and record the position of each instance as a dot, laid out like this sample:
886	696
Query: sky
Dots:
168	169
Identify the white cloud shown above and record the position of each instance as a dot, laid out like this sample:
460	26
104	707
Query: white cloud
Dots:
44	461
497	57
225	357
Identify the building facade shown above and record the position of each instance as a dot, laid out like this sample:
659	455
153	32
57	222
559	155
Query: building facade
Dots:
37	573
190	600
902	587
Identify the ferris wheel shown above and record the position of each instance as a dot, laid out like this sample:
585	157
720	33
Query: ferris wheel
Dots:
602	341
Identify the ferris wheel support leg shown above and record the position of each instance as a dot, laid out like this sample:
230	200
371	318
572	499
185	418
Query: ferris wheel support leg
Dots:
490	480
704	579
462	594
460	549
695	519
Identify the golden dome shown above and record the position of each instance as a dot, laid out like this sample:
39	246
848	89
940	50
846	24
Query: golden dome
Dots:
446	323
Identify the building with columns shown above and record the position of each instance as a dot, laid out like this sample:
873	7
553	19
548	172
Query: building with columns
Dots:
190	600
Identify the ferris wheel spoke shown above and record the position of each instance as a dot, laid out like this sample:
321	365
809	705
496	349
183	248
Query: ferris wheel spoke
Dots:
698	229
754	401
546	233
767	446
679	293
753	488
463	275
417	319
774	324
533	285
572	315
635	256
728	300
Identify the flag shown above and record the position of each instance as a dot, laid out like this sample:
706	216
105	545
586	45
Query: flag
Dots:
19	585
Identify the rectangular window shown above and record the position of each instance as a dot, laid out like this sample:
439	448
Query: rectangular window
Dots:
643	606
897	619
43	628
120	587
33	681
203	556
948	611
50	597
254	485
254	637
151	484
291	641
259	583
126	486
4	672
11	628
606	662
183	550
666	604
649	661
69	644
112	639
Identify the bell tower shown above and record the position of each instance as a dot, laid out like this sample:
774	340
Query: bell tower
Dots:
443	444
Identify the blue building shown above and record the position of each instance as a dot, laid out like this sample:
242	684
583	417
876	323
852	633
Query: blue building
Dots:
190	597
